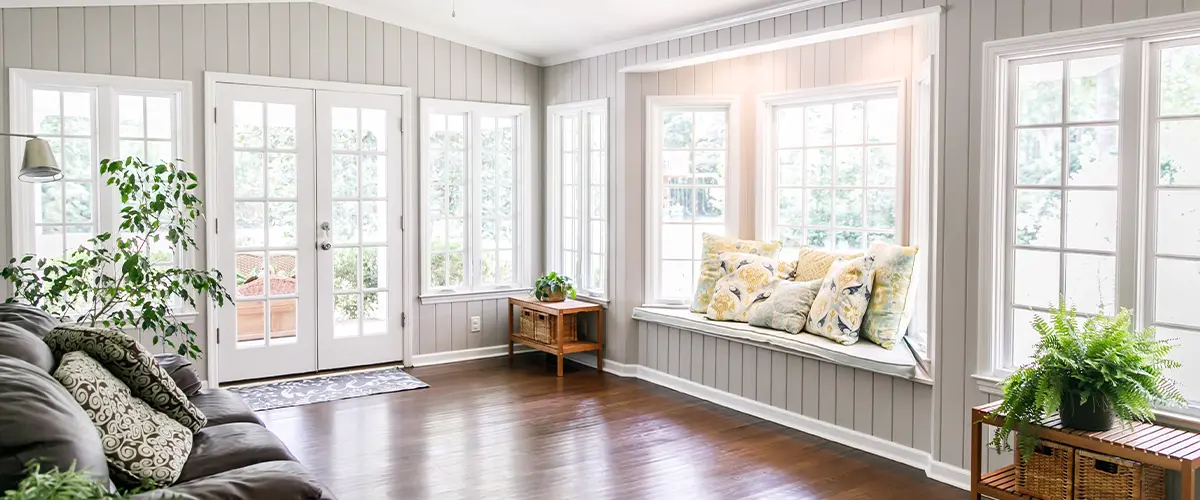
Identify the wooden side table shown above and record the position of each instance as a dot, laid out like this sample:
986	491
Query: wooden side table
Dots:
1166	447
558	310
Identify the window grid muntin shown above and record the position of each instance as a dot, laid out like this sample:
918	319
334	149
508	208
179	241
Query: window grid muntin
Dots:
595	271
570	164
172	141
497	219
91	227
445	217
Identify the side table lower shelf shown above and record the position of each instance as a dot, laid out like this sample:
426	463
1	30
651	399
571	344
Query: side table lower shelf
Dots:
568	347
1001	484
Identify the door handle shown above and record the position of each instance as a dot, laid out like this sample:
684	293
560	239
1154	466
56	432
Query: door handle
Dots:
325	245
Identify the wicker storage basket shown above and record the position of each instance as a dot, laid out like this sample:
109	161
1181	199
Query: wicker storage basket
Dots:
1101	477
1048	473
539	326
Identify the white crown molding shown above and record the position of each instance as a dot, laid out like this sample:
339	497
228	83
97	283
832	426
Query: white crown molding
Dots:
694	29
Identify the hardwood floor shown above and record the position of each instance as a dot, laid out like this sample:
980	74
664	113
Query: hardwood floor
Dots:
487	431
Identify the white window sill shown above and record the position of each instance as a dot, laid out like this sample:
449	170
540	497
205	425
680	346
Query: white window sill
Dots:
600	301
450	297
185	316
991	383
898	362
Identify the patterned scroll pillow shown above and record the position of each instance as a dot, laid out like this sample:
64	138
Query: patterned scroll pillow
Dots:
814	263
838	310
139	442
787	307
129	361
710	265
748	282
890	308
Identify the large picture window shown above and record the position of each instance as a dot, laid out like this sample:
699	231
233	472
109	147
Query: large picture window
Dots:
831	170
692	147
577	195
1090	188
475	213
86	118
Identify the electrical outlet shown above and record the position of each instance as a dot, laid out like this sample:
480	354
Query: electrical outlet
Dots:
475	326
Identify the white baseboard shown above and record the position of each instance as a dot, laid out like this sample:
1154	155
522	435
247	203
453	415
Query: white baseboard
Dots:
610	366
909	456
441	358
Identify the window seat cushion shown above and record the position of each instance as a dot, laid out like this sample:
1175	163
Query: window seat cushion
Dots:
898	362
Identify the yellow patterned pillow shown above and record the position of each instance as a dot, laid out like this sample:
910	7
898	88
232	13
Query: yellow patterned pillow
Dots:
748	284
710	265
889	311
814	263
838	310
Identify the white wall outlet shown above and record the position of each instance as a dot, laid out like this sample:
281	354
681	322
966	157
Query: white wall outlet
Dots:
475	326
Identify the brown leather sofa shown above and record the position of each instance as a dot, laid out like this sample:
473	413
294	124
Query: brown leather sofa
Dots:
233	457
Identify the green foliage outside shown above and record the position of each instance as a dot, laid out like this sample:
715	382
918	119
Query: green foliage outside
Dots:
345	277
113	279
1102	359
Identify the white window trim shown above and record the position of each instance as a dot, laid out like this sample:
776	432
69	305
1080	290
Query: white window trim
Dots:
1132	39
655	105
553	198
767	104
105	88
523	260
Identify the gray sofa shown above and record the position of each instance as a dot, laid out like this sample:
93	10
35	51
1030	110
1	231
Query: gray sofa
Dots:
233	457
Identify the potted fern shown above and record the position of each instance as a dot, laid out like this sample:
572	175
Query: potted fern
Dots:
1090	373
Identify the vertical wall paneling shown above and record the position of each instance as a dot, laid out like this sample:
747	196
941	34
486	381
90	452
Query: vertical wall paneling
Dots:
72	41
458	71
170	40
300	35
375	48
216	40
279	32
338	42
238	38
319	44
96	40
356	49
260	39
474	74
45	38
121	22
441	68
503	79
487	80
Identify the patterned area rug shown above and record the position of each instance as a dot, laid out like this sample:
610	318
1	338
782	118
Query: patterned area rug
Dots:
285	393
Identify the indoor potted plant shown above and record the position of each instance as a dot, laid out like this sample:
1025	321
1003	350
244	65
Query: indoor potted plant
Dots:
1091	373
553	287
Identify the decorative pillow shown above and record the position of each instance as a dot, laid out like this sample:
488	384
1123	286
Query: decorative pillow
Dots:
139	442
838	310
747	284
710	266
786	270
134	365
787	307
888	313
814	263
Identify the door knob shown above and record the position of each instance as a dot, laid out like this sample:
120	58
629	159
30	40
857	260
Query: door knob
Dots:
325	245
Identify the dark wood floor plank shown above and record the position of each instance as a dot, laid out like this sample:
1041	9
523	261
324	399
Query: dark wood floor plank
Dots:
487	430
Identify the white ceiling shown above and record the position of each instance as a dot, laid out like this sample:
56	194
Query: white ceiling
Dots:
546	30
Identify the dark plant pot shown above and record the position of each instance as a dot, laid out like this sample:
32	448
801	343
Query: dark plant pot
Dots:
1094	415
549	296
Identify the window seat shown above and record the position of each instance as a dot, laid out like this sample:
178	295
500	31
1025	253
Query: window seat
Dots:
864	355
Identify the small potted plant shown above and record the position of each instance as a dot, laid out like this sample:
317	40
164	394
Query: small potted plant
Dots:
553	287
1090	373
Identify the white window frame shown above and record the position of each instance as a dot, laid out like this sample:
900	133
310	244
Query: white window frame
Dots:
1136	41
767	204
655	107
105	129
523	182
553	201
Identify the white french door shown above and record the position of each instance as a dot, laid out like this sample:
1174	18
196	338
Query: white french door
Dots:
308	230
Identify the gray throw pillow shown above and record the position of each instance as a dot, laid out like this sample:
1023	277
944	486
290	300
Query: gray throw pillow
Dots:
17	342
129	361
787	308
140	443
32	319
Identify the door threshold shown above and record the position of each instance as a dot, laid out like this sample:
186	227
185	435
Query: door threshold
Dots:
308	375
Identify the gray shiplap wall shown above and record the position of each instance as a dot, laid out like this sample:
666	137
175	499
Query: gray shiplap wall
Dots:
297	40
967	25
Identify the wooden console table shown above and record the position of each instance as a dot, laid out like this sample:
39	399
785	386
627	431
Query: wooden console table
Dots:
559	310
1166	447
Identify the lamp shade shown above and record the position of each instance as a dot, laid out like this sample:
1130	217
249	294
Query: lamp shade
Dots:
38	164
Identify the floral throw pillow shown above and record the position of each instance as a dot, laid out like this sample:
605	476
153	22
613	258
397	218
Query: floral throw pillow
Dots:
748	282
710	265
891	303
838	310
129	361
788	306
140	443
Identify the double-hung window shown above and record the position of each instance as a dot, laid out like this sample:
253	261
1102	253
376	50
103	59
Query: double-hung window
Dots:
692	188
830	169
86	118
577	195
1091	187
476	215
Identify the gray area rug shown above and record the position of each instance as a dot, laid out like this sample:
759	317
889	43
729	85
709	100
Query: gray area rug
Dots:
285	393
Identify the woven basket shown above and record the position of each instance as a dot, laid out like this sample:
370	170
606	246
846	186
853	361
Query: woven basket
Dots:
540	327
1047	473
1099	476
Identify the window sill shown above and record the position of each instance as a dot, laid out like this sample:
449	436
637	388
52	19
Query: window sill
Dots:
898	362
990	383
447	298
600	301
185	316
